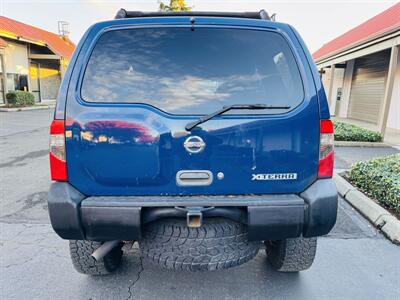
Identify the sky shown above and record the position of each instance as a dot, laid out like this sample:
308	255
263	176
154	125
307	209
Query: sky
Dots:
317	21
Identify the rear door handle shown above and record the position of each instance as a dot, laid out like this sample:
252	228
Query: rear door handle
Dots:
194	178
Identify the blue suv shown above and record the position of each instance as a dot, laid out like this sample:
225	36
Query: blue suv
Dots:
200	135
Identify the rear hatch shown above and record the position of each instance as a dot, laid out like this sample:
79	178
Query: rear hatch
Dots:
140	87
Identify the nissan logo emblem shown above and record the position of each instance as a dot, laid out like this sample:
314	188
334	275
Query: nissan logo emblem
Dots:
194	144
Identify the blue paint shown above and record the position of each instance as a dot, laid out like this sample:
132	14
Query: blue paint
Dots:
137	149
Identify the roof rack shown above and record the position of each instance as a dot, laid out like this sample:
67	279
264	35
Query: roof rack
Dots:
124	14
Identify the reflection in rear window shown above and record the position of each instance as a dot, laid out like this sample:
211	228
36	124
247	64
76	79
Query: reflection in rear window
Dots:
181	71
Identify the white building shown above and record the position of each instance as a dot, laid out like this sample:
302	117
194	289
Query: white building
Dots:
361	73
31	59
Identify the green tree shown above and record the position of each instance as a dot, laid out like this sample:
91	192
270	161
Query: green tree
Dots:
175	5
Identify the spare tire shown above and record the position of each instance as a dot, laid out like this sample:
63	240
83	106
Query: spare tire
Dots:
218	244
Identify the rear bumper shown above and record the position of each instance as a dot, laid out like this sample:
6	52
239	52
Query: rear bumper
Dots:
268	217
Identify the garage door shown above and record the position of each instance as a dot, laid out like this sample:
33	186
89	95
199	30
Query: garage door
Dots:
368	86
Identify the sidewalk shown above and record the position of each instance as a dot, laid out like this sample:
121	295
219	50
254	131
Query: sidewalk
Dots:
40	105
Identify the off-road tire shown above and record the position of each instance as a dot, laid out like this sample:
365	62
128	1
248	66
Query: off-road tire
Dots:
291	255
218	244
81	256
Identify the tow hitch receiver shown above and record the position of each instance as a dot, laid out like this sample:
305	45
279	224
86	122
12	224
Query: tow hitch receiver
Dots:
194	215
194	219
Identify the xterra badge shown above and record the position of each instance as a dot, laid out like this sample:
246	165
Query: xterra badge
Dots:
277	176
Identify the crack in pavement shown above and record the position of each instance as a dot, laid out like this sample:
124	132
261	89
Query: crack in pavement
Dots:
34	242
132	285
25	226
32	200
40	237
17	234
37	200
41	249
24	262
18	159
5	136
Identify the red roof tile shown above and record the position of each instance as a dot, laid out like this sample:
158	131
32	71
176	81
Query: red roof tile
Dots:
385	22
61	46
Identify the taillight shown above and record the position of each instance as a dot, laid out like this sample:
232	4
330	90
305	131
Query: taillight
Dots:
58	165
325	164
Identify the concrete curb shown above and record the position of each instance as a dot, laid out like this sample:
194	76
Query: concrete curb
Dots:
359	144
13	109
376	214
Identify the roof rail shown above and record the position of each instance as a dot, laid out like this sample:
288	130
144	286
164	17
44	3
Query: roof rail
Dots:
124	14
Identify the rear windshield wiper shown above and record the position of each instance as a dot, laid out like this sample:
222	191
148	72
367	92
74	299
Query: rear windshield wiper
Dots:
189	126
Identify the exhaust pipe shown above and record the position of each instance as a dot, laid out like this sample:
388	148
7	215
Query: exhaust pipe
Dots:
104	249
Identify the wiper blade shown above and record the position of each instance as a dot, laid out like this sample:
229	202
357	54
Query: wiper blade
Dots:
189	126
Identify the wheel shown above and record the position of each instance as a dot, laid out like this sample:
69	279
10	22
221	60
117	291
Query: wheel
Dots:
218	244
81	256
291	255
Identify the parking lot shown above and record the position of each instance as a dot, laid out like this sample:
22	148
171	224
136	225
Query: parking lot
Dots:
353	261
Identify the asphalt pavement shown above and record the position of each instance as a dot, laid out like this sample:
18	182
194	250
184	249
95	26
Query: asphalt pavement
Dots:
346	156
353	262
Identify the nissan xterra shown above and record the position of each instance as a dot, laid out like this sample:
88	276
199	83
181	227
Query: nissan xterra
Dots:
200	135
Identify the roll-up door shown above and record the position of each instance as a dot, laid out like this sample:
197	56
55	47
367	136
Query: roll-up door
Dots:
368	86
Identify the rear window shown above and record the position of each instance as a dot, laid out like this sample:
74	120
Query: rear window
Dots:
184	71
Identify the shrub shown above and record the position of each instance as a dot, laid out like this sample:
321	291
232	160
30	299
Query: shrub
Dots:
350	132
11	98
380	179
20	98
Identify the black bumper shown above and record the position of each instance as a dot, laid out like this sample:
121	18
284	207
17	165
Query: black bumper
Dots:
268	217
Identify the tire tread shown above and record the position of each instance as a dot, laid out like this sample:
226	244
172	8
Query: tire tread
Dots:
218	244
82	260
291	255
